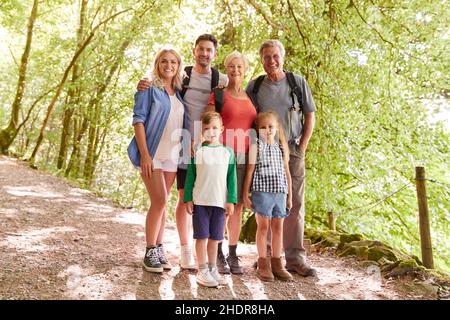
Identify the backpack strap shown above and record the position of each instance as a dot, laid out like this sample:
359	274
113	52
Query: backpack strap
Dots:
214	78
188	70
255	90
296	93
186	80
218	99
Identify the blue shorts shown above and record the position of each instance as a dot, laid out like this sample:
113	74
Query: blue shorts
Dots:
269	204
208	222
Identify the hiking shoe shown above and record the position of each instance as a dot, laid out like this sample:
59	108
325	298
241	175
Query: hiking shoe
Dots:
162	258
151	261
205	278
302	269
255	264
216	275
234	263
187	259
222	264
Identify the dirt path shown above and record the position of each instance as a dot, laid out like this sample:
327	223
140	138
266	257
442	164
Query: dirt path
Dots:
61	242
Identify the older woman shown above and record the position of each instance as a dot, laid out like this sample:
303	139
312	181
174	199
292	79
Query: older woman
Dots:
238	114
159	115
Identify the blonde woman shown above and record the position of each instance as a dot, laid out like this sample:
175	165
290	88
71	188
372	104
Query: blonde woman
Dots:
158	119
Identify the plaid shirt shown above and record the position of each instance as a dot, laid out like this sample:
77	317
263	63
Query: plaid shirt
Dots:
269	175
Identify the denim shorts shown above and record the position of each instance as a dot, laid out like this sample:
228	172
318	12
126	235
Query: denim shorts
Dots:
269	204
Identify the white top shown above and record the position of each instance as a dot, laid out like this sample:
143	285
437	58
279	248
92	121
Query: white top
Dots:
169	146
211	178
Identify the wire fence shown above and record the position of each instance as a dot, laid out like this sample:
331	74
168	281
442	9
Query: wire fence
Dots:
445	185
376	202
411	182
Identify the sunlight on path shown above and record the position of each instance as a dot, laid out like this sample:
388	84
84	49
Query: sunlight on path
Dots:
130	218
32	191
81	285
194	285
30	241
257	290
165	288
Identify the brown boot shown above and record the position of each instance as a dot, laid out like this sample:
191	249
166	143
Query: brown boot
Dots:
279	271
264	272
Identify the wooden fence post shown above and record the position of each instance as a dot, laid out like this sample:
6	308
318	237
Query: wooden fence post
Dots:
331	221
424	219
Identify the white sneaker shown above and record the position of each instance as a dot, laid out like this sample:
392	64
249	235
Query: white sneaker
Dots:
216	275
187	259
205	278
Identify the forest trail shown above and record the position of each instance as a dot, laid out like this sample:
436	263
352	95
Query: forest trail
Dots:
62	242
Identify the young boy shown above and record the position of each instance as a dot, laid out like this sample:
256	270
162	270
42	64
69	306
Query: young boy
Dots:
210	193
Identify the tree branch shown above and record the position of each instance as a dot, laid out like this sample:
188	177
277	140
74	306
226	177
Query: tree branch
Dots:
261	12
368	24
297	23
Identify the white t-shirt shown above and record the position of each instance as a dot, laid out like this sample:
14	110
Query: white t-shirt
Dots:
211	178
169	145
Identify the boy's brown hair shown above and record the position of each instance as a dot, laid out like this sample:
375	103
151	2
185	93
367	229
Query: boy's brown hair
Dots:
208	116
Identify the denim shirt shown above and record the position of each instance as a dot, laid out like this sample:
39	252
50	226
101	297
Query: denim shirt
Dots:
152	108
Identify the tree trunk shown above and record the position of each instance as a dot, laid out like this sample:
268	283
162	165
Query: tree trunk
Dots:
98	153
72	94
90	161
93	119
8	134
74	164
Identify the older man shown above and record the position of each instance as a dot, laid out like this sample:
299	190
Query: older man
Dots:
274	91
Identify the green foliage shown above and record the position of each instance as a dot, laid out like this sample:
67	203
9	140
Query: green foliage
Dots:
377	70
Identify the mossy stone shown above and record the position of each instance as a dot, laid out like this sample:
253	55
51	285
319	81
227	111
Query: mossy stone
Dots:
410	263
417	260
346	238
318	235
359	251
403	268
315	236
375	253
364	243
330	241
248	230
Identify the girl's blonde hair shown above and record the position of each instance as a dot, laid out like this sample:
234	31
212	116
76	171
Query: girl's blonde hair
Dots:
177	80
280	130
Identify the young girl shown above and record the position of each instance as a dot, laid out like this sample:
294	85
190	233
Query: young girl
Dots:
270	181
210	193
159	115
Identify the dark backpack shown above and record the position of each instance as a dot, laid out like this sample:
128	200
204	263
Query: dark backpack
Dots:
188	70
295	114
218	99
296	92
